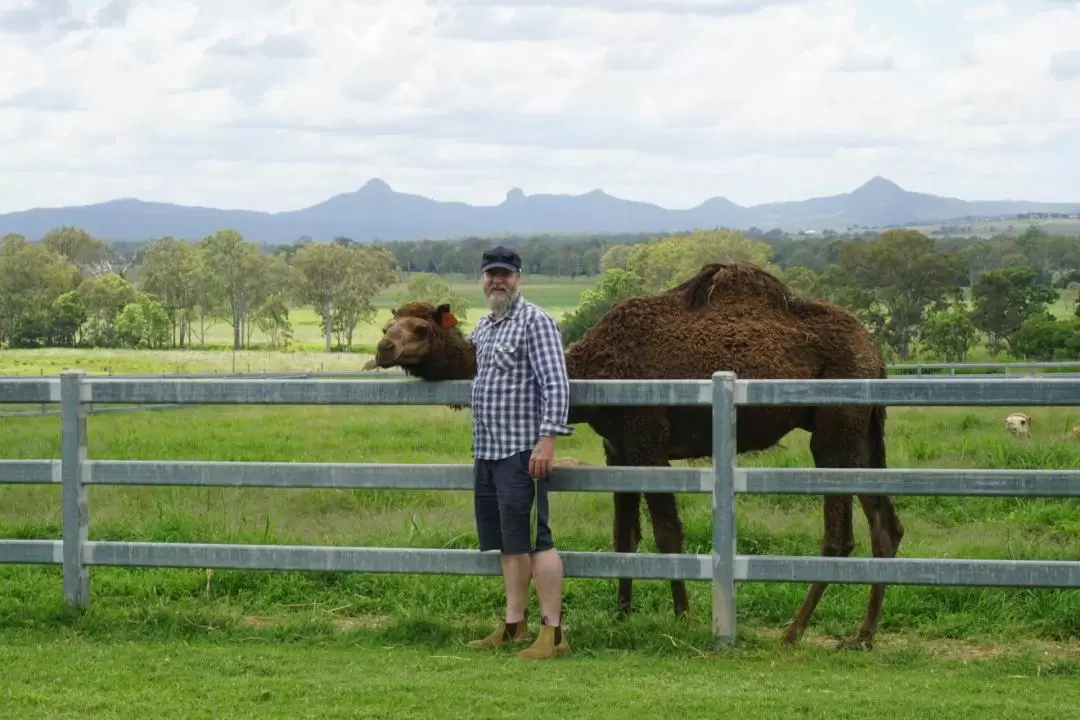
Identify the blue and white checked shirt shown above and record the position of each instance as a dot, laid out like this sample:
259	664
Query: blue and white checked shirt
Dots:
521	390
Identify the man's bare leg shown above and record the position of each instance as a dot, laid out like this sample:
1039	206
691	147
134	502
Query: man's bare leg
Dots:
517	571
548	571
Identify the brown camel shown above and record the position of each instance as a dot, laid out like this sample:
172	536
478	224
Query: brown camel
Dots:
730	316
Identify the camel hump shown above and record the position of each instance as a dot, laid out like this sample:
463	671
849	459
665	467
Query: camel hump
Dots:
735	281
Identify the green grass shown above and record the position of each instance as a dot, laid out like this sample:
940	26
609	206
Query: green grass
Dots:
309	676
237	643
936	527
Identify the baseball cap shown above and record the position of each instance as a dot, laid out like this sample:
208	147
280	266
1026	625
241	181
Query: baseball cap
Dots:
501	257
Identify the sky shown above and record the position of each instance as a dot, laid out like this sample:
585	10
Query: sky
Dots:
278	105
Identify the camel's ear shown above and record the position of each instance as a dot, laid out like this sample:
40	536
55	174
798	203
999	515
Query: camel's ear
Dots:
444	317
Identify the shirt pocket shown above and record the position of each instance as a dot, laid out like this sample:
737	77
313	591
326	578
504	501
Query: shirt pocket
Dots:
507	350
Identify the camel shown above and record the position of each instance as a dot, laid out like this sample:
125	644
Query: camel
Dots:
729	316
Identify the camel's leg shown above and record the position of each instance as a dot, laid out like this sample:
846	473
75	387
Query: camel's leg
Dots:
627	536
838	540
643	443
886	532
836	442
668	531
626	530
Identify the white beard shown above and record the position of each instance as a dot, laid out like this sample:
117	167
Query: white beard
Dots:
499	303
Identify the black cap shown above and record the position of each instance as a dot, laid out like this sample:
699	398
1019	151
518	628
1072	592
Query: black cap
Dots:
501	257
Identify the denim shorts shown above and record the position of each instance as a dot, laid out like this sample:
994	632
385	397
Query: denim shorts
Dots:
504	497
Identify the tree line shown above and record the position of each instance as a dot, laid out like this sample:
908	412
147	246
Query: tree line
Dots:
916	294
72	289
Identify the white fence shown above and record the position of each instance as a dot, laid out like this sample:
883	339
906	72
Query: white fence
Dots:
75	471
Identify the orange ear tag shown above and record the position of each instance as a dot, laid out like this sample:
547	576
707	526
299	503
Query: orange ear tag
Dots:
448	321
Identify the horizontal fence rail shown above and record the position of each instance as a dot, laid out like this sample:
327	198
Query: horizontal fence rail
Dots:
75	472
1060	369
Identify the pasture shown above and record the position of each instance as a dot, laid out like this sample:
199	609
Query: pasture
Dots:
1012	227
187	643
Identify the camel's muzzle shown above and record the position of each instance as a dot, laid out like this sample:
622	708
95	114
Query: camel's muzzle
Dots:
386	352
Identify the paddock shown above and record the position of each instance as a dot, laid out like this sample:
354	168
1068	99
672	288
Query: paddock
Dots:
74	471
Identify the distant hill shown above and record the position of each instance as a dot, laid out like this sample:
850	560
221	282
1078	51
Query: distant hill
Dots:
376	211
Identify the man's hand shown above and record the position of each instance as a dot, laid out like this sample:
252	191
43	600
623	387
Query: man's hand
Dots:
542	457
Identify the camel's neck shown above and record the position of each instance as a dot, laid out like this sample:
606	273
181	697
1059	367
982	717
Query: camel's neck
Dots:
452	357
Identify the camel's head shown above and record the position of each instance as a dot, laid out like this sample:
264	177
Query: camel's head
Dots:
407	338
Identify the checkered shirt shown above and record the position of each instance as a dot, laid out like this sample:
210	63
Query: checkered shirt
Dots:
521	390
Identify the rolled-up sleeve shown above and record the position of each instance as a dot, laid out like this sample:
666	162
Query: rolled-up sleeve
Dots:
549	367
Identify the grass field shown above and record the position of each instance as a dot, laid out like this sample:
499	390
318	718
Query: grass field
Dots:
241	644
177	643
1013	227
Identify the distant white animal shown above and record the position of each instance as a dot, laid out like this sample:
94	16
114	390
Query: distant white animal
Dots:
1018	424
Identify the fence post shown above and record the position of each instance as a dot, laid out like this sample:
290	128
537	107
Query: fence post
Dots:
76	513
724	460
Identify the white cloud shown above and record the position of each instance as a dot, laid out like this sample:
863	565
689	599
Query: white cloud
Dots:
277	104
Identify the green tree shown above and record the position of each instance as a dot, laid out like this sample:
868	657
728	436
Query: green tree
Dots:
82	249
950	334
144	324
271	318
803	281
1004	299
615	258
104	297
431	288
1041	338
323	281
340	283
172	271
31	280
238	273
670	260
372	269
614	285
891	282
68	316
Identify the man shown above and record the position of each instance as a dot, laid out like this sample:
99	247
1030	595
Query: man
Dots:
520	400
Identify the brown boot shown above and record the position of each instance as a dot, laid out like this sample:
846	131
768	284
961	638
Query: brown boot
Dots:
545	647
501	636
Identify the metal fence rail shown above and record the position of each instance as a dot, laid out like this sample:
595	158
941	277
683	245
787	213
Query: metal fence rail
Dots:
993	368
723	567
901	370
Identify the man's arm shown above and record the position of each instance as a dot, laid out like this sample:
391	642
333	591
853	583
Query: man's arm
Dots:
549	368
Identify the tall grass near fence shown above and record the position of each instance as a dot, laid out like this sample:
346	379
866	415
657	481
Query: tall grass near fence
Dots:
134	602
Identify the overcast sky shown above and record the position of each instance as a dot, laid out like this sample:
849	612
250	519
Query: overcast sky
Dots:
275	105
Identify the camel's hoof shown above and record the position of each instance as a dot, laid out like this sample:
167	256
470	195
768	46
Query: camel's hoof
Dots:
791	636
859	642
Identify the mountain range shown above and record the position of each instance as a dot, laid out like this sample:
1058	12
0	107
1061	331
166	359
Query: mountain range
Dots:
377	212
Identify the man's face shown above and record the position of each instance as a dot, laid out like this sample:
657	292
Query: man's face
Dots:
500	288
